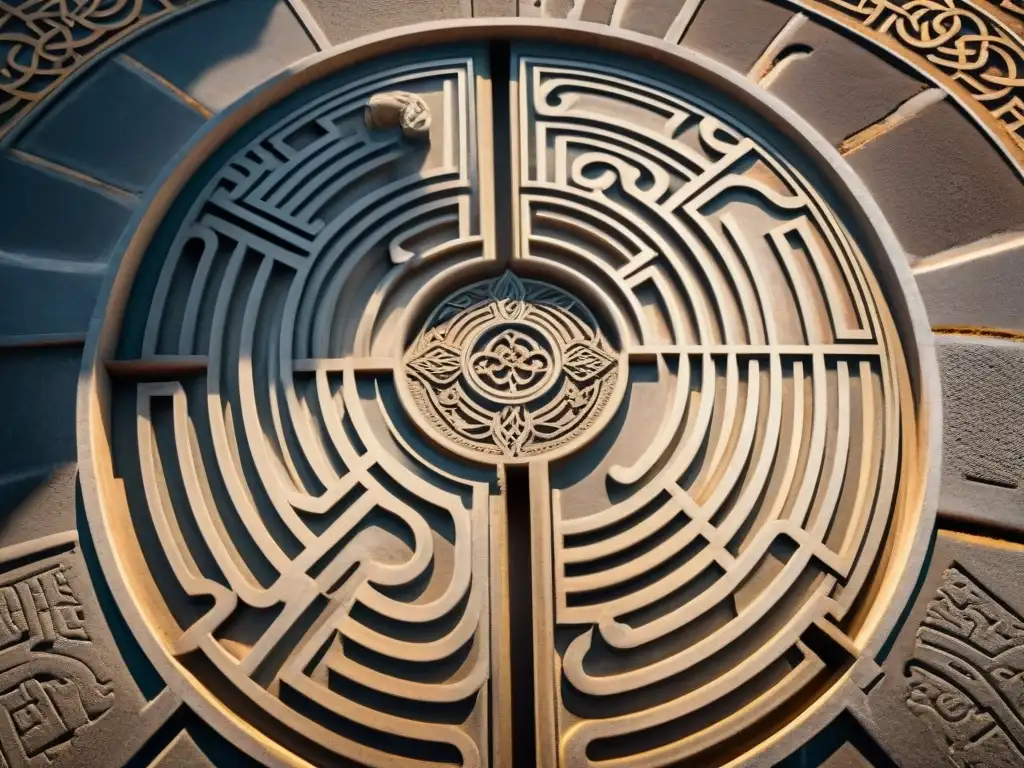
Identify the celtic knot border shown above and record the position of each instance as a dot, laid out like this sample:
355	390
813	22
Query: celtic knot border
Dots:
962	43
43	42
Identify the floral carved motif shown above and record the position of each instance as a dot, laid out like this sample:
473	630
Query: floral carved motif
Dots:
511	368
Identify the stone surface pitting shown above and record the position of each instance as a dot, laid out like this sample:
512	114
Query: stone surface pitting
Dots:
511	368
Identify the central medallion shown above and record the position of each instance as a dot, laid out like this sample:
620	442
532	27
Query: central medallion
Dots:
510	368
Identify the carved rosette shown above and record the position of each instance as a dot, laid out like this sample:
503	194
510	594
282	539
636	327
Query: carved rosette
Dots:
511	368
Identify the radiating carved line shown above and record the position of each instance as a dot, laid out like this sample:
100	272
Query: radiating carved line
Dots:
308	20
687	12
906	111
47	264
134	64
42	341
987	248
122	196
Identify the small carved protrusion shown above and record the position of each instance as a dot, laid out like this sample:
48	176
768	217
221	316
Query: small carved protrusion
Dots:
399	108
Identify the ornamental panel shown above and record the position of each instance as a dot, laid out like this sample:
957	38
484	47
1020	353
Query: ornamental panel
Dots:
509	407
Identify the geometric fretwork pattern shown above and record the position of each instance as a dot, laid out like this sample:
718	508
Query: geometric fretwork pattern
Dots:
744	514
589	307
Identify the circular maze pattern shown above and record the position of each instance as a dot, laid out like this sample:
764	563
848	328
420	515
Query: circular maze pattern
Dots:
332	372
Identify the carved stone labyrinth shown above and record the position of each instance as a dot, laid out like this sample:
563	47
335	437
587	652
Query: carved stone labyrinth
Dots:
547	418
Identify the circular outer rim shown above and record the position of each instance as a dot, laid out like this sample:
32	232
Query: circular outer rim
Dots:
921	495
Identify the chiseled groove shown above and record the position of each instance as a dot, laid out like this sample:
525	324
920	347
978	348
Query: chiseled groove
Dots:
982	249
905	112
687	13
49	264
773	55
310	24
157	367
789	56
42	341
142	70
123	196
979	331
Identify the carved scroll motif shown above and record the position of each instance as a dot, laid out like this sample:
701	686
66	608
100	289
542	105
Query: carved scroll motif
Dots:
511	368
966	680
44	41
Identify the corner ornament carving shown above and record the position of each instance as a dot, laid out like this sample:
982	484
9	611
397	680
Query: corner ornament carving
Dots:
42	42
966	680
963	43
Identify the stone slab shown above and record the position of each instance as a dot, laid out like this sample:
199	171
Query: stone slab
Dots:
65	692
650	17
37	416
983	430
597	11
45	214
117	125
219	52
735	32
950	694
940	183
37	503
840	87
343	20
985	291
57	299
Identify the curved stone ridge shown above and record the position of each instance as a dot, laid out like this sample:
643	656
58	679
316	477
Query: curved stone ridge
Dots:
511	367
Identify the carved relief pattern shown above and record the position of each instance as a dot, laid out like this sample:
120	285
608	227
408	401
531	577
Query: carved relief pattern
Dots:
967	676
744	513
327	360
511	368
962	42
312	577
44	41
48	693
